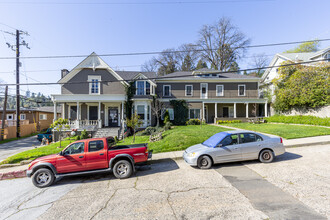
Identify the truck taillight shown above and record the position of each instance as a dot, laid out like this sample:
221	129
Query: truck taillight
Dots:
281	140
146	151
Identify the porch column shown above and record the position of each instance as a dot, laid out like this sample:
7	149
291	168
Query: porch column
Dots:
216	112
247	110
99	116
203	110
266	113
122	111
78	115
235	110
55	111
63	111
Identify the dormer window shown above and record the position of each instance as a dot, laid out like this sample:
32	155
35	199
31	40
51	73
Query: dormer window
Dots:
143	87
140	87
94	84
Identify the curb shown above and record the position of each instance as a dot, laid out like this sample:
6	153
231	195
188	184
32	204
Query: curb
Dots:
307	144
13	175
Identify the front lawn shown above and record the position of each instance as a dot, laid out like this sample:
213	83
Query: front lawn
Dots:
286	131
178	138
37	152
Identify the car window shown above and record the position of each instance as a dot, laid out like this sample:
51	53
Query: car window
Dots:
95	146
247	138
230	140
76	148
258	138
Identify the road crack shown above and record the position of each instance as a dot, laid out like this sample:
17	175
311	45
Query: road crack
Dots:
106	204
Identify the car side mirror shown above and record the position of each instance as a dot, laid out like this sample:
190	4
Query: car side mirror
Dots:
219	145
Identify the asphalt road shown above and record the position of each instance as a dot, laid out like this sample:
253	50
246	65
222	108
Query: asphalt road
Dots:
14	147
169	189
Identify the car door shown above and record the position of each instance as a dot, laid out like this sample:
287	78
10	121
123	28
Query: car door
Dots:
228	149
250	145
96	157
72	159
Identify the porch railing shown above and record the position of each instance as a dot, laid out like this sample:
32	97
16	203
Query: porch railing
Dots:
89	125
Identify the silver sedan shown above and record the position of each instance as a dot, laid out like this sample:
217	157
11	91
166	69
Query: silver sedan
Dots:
233	146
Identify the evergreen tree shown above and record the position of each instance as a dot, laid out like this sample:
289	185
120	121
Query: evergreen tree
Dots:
201	64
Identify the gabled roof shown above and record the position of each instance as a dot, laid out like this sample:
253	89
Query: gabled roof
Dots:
94	62
129	75
189	75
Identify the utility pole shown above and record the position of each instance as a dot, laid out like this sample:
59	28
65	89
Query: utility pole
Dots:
18	128
4	115
18	44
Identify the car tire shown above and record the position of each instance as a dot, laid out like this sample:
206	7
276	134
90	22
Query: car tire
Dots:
204	162
43	177
266	156
122	169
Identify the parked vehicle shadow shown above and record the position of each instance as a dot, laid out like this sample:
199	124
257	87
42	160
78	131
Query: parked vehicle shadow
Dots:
151	167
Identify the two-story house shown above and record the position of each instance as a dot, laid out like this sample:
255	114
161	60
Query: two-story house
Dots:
93	95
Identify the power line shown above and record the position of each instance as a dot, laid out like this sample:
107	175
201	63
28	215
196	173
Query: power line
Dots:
160	52
138	3
168	77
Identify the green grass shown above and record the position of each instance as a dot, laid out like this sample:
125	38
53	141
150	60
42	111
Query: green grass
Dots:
178	138
286	131
37	152
300	119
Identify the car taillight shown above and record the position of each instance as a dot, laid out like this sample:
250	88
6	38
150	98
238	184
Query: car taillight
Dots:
281	140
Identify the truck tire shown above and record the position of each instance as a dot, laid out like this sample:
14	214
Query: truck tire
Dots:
43	177
122	169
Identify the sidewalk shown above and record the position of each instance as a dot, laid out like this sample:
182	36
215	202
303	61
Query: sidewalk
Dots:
19	171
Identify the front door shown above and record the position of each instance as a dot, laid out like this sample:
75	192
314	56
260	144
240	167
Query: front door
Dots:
225	112
93	114
73	159
113	117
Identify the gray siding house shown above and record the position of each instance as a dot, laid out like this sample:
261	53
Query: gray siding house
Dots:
93	95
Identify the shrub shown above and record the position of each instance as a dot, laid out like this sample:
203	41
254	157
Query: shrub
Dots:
180	108
84	134
300	119
166	117
167	126
77	138
148	131
228	121
193	122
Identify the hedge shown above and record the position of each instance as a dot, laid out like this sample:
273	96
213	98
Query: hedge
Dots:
300	119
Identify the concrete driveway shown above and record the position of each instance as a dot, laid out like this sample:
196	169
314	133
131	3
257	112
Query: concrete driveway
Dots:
170	189
14	147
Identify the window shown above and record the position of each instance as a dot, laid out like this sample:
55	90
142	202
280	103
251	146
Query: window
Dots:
10	116
219	90
140	88
166	90
230	140
111	141
195	113
170	112
140	111
43	117
249	137
241	90
22	117
189	90
94	85
95	146
147	88
76	148
203	90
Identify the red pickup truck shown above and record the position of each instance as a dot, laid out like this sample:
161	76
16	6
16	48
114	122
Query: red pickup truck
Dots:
88	156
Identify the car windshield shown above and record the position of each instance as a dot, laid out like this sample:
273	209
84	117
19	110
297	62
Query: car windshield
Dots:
215	139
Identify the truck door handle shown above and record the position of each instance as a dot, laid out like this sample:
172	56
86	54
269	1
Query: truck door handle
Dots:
81	157
102	154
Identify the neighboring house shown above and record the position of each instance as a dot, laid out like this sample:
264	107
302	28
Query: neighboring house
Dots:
272	73
93	94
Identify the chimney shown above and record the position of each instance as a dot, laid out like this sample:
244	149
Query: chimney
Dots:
64	72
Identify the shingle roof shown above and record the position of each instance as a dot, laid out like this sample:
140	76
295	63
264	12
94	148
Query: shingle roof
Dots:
221	75
129	75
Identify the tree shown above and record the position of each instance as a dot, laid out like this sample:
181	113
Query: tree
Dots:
222	44
311	46
60	125
134	123
156	108
149	66
259	61
234	67
187	57
167	62
201	64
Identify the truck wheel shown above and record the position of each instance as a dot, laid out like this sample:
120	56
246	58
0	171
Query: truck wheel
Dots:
122	169
43	178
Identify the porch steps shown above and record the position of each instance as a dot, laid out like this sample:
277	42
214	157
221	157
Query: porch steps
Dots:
106	132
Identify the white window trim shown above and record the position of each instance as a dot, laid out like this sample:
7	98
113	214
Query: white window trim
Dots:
170	91
244	90
192	90
207	91
216	90
12	117
90	78
42	117
22	115
194	112
144	87
171	115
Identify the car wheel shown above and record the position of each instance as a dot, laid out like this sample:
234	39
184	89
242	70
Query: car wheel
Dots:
43	178
204	162
122	169
266	156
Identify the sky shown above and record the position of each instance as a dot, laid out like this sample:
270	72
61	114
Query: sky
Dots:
80	27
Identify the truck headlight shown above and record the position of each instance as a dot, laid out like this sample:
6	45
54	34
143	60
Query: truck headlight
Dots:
191	154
